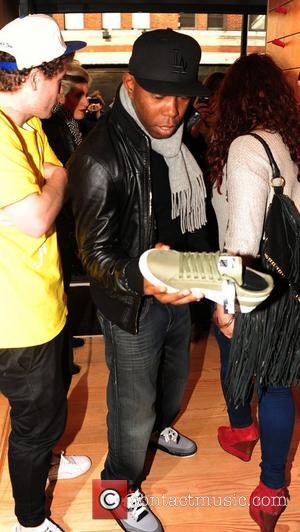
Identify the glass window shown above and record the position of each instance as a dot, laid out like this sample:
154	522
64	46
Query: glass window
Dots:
111	21
140	21
74	21
215	21
257	22
187	20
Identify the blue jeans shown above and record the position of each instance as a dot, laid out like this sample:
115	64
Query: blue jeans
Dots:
240	416
148	375
276	421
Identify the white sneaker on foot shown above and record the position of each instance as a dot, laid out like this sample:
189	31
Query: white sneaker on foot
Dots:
47	526
64	467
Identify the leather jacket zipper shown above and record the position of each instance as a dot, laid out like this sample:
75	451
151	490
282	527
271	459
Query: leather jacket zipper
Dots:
149	225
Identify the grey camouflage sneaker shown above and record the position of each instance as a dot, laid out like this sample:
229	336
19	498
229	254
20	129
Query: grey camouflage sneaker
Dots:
139	518
218	276
172	442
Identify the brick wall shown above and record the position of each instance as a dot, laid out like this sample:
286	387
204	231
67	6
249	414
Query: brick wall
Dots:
92	21
164	20
233	22
126	21
201	22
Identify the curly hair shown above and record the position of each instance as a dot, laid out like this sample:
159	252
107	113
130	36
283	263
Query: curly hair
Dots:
254	94
11	80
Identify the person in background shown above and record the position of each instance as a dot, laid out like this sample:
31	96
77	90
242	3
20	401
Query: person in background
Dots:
64	135
207	107
94	111
255	97
33	59
96	105
196	136
62	128
201	118
134	185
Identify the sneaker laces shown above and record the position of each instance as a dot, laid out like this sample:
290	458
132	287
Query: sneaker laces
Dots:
169	434
210	266
67	459
198	266
61	458
137	505
213	267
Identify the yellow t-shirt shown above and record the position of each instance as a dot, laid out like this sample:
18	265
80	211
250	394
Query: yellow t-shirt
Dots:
31	288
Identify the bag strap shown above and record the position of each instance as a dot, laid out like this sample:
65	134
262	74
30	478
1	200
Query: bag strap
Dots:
277	180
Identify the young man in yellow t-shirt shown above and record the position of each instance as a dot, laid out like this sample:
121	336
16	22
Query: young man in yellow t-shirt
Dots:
33	58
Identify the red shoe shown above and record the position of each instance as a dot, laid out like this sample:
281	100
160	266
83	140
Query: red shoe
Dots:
266	506
239	442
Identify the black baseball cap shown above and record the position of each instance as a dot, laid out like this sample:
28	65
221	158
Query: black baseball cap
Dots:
166	62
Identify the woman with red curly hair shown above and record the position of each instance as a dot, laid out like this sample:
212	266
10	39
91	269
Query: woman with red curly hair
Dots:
255	98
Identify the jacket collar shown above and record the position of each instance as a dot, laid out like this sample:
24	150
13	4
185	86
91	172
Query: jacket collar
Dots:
119	115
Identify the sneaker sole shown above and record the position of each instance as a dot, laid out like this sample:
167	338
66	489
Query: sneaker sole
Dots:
54	477
128	529
169	451
246	302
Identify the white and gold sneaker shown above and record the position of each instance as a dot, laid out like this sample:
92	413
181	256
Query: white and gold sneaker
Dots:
217	276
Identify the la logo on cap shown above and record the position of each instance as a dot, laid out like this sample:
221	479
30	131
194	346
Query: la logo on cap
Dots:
178	64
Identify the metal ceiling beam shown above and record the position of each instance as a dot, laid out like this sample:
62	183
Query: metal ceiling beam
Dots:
24	8
148	6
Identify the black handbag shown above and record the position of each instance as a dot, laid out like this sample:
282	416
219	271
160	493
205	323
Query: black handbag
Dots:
280	248
266	341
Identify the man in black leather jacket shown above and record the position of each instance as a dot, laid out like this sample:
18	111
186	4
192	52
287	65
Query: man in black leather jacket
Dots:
126	180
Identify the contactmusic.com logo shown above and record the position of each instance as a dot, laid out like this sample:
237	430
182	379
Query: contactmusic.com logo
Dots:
110	496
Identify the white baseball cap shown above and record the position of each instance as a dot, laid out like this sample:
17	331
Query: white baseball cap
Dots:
33	40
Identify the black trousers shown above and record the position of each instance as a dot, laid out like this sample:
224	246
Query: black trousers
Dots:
32	380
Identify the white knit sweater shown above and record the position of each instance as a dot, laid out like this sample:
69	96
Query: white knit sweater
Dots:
246	191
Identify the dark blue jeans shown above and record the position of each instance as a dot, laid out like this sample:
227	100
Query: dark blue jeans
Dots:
148	375
276	421
32	380
240	416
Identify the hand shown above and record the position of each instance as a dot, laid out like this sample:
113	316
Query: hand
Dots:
94	107
181	297
202	108
52	170
225	322
160	245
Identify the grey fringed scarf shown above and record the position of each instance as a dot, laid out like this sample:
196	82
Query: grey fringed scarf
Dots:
185	177
72	124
